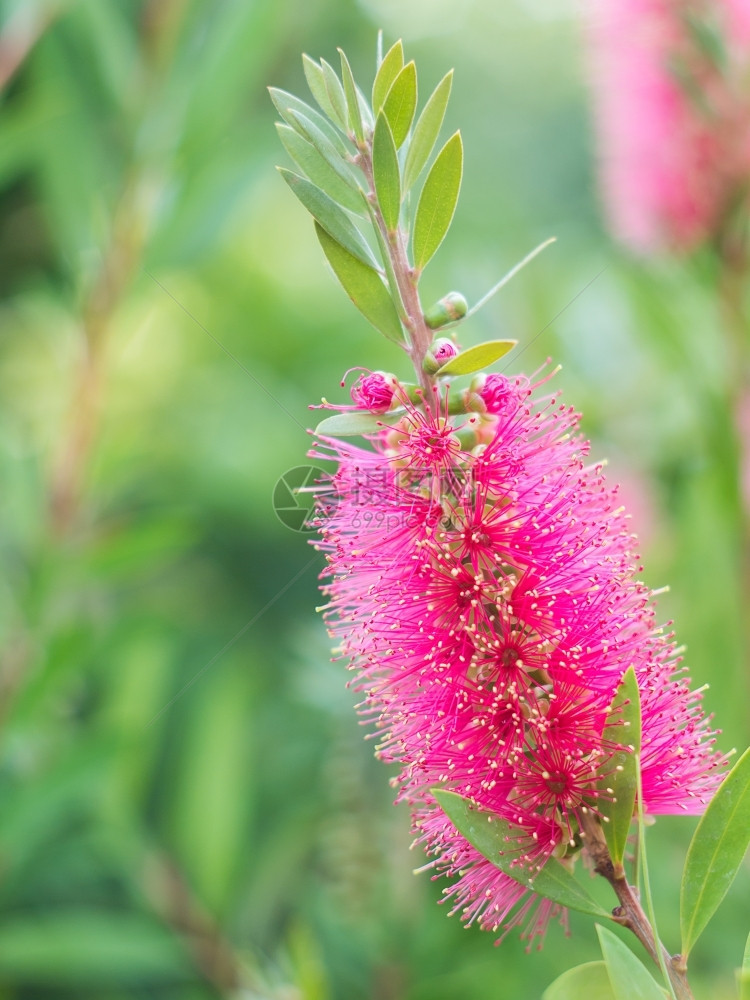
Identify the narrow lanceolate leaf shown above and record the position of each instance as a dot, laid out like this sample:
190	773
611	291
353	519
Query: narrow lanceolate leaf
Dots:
427	130
493	837
365	111
89	951
628	977
745	973
340	165
288	105
364	287
386	172
332	218
353	423
354	114
316	81
476	358
335	93
390	67
308	159
437	203
716	852
589	981
620	782
401	103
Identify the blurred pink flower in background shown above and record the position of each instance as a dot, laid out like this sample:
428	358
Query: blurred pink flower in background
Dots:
671	92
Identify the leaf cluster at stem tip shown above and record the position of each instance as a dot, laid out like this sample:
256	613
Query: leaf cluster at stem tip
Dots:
358	156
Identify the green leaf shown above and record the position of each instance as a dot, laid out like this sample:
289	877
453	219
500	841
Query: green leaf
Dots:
628	977
476	358
621	781
341	165
745	973
309	130
716	852
86	948
288	105
44	802
364	287
707	36
354	423
216	750
316	81
427	130
318	170
401	103
329	215
335	93
390	67
352	98
437	202
365	111
491	835
589	980
386	172
390	274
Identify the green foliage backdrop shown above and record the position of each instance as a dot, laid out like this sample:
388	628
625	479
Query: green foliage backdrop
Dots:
187	806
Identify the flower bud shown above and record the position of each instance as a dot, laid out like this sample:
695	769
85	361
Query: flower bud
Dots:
497	392
374	392
440	353
451	308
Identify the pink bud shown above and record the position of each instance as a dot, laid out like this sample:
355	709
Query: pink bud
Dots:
440	352
443	350
498	392
374	392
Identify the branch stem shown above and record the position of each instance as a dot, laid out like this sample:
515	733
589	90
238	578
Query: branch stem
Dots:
630	913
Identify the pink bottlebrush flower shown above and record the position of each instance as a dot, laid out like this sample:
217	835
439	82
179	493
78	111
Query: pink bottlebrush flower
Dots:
488	601
673	123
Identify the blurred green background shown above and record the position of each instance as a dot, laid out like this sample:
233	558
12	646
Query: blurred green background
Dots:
187	806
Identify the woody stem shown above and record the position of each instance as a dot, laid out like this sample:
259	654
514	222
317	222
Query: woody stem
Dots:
630	913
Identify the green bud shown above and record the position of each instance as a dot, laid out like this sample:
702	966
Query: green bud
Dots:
473	402
451	308
472	398
458	402
467	437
